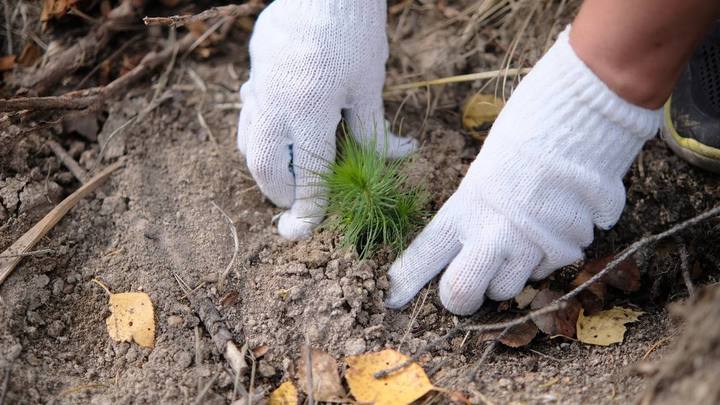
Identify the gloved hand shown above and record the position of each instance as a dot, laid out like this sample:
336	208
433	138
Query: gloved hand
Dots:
551	167
310	61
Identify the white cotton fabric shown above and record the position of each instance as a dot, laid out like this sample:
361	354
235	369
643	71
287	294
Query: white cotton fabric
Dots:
311	62
551	168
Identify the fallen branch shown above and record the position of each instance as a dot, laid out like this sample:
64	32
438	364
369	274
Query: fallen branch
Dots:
560	302
14	254
83	51
94	97
215	325
233	10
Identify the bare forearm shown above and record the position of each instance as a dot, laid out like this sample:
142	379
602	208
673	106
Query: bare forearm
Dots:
639	47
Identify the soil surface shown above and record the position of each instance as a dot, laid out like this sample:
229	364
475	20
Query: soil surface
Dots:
156	218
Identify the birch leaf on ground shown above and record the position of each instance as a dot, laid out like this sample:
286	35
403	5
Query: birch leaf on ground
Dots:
285	394
399	388
132	319
479	113
606	327
325	377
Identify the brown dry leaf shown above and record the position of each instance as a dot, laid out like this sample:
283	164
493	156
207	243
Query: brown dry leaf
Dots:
132	319
520	335
560	322
592	299
399	388
30	53
325	377
606	327
626	276
479	113
55	8
525	297
285	394
260	351
7	62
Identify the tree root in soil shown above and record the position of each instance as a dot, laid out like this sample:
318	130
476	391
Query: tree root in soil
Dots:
556	305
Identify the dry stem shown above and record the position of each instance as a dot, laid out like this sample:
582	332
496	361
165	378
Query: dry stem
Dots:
233	10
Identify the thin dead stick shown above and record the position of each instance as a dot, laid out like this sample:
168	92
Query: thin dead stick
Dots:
206	388
685	268
215	325
459	79
233	10
236	241
308	370
31	237
31	253
68	161
4	387
560	302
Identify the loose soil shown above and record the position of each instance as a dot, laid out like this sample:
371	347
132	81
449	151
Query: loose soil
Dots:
155	219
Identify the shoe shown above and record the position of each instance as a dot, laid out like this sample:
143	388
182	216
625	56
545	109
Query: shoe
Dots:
692	114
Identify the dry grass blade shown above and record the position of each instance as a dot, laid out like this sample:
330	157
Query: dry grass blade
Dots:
236	242
459	79
31	237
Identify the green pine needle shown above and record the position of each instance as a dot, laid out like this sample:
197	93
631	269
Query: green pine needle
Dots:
370	202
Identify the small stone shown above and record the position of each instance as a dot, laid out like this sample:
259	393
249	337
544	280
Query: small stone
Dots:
34	318
183	359
14	352
131	355
564	345
383	283
355	346
58	287
175	321
113	205
121	349
504	382
73	278
56	328
41	281
265	369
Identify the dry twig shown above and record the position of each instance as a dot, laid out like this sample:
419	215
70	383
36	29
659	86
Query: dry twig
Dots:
236	242
215	326
233	10
560	302
68	161
83	51
31	237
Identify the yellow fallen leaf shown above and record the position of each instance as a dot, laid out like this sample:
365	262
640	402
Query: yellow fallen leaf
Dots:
285	394
325	377
399	388
479	113
605	327
132	317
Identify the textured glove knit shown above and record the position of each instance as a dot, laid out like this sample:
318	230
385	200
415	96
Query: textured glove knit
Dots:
310	61
550	169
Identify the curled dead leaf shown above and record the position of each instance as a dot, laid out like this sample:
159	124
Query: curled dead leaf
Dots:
560	322
399	388
625	277
7	62
326	384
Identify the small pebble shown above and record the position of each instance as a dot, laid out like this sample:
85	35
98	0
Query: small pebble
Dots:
131	355
56	328
355	346
175	321
58	287
265	369
183	359
41	281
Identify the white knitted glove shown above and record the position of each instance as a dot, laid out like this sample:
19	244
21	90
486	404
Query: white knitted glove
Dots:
310	60
551	167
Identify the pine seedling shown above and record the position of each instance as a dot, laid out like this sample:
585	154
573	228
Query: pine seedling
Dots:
370	203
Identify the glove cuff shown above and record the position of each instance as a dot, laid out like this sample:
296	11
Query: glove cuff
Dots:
348	9
589	90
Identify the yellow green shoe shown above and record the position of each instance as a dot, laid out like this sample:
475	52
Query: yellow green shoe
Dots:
692	115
